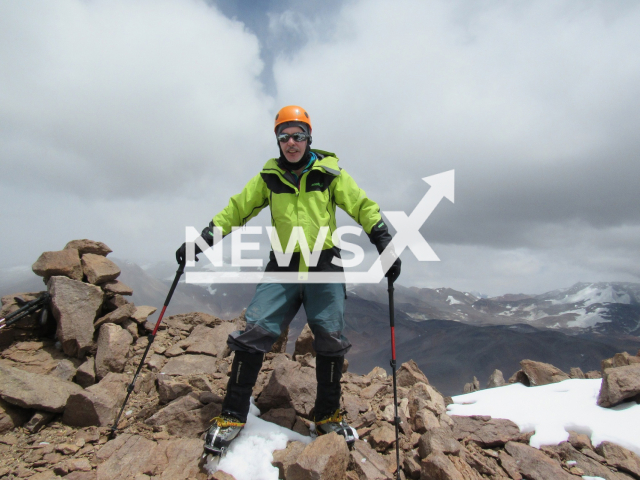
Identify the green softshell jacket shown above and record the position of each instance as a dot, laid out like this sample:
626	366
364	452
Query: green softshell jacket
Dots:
310	204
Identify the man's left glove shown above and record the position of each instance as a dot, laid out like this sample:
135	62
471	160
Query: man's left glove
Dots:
394	271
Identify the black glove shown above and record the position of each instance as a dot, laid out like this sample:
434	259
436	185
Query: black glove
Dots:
394	271
181	253
207	235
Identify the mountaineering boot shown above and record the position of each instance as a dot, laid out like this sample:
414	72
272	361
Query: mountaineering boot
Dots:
235	407
327	415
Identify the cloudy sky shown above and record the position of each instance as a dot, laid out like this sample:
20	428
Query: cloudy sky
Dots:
126	120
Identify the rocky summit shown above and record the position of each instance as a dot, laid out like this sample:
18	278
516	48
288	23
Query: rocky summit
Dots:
62	385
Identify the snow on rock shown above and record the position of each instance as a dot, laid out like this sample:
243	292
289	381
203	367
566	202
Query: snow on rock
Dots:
552	410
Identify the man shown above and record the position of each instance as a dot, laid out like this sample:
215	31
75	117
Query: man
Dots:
302	188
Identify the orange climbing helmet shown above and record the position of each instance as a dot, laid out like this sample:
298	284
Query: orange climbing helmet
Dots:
292	113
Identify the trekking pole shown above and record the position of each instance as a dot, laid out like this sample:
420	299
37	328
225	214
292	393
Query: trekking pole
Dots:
396	419
151	338
26	309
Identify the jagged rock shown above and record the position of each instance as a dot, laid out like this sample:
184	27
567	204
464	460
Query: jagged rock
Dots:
472	386
190	365
369	464
11	416
576	373
99	269
589	466
354	405
290	385
371	391
365	420
86	373
620	360
131	327
508	463
98	404
580	441
593	374
282	459
487	432
304	343
438	466
285	417
535	465
34	357
141	313
75	306
38	421
65	263
409	374
425	405
280	345
326	457
116	287
186	416
438	440
187	321
169	390
155	362
519	377
112	303
33	390
619	384
620	457
378	373
383	437
540	373
65	370
88	246
117	316
130	455
496	379
113	349
411	465
307	360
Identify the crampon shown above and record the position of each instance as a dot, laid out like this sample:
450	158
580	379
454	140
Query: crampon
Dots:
222	432
335	423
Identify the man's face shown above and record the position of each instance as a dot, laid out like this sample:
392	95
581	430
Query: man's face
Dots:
292	150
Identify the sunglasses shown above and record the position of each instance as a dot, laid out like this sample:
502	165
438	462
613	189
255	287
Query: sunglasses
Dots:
298	137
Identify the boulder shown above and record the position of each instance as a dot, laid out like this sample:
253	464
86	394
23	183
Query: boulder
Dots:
409	374
425	406
282	459
540	373
186	416
535	465
34	356
113	303
326	457
116	287
620	457
438	466
86	373
369	464
169	390
593	374
290	386
496	379
65	263
285	417
304	342
113	349
99	269
619	384
11	416
576	372
354	405
38	421
140	314
135	457
485	431
98	404
88	246
36	391
75	306
382	437
592	467
209	341
438	440
118	316
190	365
65	370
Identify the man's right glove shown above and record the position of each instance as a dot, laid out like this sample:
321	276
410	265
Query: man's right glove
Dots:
380	237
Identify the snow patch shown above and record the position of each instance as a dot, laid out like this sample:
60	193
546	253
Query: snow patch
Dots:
452	301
